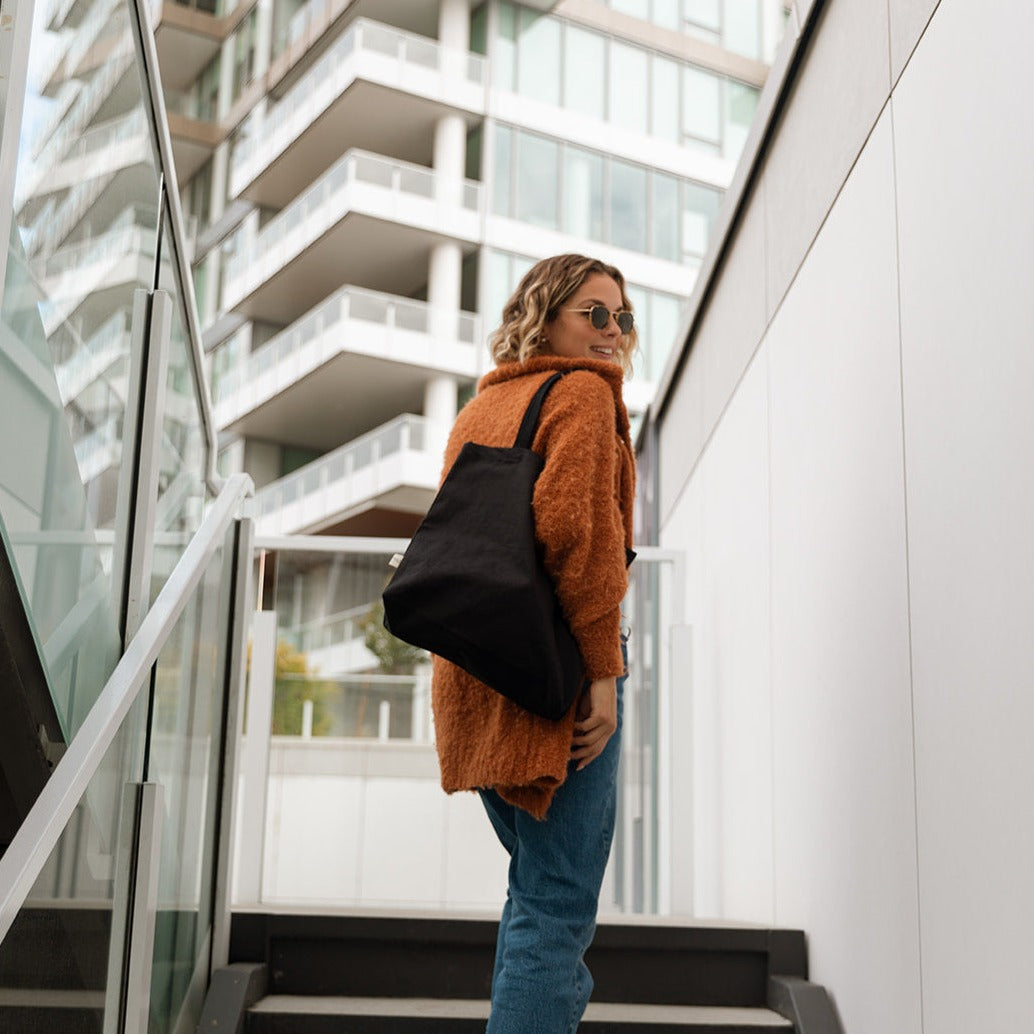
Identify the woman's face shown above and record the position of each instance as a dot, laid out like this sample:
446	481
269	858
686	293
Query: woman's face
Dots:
572	335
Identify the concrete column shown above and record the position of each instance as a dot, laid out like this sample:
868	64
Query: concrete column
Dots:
443	289
263	37
454	24
440	397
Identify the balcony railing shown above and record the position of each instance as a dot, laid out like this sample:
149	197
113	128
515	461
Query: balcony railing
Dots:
388	326
87	252
102	15
349	475
94	356
409	56
429	198
85	106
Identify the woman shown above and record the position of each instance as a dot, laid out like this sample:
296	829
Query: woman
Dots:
550	787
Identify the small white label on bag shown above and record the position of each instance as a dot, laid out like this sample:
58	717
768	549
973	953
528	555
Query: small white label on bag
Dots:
396	560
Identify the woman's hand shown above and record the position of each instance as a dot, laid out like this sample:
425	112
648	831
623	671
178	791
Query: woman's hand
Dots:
596	720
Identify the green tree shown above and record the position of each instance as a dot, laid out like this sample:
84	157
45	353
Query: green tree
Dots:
393	655
293	686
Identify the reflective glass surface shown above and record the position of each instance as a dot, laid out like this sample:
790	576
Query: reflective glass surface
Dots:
629	87
184	756
84	228
182	455
582	207
585	67
538	57
59	946
537	168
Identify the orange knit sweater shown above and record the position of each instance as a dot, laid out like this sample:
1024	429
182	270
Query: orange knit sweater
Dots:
583	516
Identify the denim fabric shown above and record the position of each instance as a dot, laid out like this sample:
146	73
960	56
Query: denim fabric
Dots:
541	984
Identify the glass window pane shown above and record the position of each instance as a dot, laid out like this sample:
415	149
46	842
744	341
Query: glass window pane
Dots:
704	12
479	30
699	207
743	27
583	193
742	101
584	71
665	318
537	167
701	98
538	57
504	56
628	206
497	285
665	217
636	8
664	106
628	87
640	299
501	192
666	13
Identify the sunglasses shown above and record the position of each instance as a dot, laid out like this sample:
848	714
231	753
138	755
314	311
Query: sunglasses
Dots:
599	317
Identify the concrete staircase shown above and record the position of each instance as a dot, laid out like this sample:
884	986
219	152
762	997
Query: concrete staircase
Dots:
366	973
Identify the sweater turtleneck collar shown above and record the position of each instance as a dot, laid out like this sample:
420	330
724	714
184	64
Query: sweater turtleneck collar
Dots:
611	372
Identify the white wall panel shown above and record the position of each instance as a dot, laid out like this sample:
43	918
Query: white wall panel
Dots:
684	531
844	807
908	19
836	100
734	723
965	163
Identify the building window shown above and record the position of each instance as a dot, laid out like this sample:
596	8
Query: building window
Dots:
733	24
559	186
549	60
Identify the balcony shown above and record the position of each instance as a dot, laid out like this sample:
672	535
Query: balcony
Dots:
368	220
395	467
121	145
385	343
124	255
89	362
66	128
408	81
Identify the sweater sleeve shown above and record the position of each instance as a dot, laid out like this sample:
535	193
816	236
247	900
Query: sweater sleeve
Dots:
578	517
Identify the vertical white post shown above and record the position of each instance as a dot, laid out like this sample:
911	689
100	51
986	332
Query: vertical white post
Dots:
255	758
306	719
440	398
15	40
383	720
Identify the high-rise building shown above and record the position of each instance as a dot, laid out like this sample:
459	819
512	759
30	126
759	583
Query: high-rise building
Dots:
365	181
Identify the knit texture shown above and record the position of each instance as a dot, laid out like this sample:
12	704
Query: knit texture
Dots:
582	504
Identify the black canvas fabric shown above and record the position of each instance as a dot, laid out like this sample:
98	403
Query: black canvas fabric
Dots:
472	588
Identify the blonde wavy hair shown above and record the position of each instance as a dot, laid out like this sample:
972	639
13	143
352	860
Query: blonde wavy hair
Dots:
537	301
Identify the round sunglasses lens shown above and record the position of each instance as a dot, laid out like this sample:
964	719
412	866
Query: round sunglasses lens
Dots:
600	316
625	322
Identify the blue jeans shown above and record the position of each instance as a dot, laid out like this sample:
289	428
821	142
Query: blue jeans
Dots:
541	984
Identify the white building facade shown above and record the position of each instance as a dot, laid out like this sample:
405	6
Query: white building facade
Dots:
378	175
841	449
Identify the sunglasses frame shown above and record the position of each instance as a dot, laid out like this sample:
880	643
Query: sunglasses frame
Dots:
587	312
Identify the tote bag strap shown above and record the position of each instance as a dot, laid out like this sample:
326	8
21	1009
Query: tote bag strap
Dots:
531	414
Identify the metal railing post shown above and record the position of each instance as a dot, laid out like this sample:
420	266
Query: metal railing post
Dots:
141	436
233	722
255	757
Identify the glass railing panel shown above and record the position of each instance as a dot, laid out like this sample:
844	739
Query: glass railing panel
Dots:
351	724
59	946
184	756
69	281
183	455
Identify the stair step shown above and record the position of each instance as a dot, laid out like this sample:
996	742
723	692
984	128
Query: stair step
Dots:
334	1014
701	964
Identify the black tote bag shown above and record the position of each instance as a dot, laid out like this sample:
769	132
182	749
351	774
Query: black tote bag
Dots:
471	587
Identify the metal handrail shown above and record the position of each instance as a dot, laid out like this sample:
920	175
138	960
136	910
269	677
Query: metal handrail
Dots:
24	859
144	25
